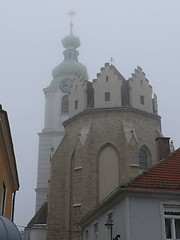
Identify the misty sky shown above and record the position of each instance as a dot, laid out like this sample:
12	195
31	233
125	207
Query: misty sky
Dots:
134	33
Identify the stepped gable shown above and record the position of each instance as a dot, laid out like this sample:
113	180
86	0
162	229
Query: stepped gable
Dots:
164	176
111	67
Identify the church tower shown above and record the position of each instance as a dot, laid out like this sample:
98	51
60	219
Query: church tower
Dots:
110	137
56	111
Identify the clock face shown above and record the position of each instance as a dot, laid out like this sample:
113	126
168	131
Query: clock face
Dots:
65	85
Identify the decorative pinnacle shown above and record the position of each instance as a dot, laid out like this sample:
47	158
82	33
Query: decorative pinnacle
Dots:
71	14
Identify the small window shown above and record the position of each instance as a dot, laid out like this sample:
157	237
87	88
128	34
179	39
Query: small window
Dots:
3	199
143	159
107	96
107	79
172	223
76	104
142	100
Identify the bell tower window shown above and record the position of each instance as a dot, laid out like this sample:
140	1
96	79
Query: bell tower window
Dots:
65	105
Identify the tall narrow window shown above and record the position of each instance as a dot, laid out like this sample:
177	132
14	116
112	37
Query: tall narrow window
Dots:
142	100
107	79
65	105
3	199
76	104
143	159
107	96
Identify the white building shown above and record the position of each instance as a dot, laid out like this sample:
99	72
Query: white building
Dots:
147	207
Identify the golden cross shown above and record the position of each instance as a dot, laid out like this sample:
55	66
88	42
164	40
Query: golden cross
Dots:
71	14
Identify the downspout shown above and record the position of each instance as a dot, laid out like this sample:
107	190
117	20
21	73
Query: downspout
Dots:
13	204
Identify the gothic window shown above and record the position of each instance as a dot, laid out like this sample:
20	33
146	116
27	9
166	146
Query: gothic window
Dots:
143	159
107	96
65	105
107	78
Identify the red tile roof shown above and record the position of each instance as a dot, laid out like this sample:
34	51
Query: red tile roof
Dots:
164	176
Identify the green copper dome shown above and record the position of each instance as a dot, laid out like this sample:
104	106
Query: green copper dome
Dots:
70	68
70	65
71	41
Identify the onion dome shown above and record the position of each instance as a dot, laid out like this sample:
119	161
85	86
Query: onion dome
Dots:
71	41
70	66
8	230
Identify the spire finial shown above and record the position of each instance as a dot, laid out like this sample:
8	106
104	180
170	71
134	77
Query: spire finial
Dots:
111	60
71	14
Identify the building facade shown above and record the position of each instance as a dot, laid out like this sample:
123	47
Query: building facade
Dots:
148	207
109	139
9	182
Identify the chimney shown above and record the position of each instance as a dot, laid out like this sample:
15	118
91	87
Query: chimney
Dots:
163	147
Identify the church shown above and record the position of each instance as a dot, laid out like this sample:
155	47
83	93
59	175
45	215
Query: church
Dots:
110	136
98	134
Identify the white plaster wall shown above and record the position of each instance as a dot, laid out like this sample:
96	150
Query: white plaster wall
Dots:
53	116
49	100
50	136
37	234
139	86
113	85
47	140
137	217
78	92
145	212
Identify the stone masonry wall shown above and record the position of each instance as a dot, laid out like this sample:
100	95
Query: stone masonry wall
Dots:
70	195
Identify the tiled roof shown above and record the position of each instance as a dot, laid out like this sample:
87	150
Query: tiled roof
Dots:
40	217
164	176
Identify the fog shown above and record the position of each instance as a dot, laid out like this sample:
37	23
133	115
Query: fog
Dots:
134	33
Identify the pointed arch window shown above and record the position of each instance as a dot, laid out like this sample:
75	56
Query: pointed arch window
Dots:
65	104
143	159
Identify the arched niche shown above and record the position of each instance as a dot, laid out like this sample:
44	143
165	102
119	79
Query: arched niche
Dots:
108	170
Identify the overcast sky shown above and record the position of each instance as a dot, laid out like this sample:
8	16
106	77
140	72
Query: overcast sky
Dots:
134	33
